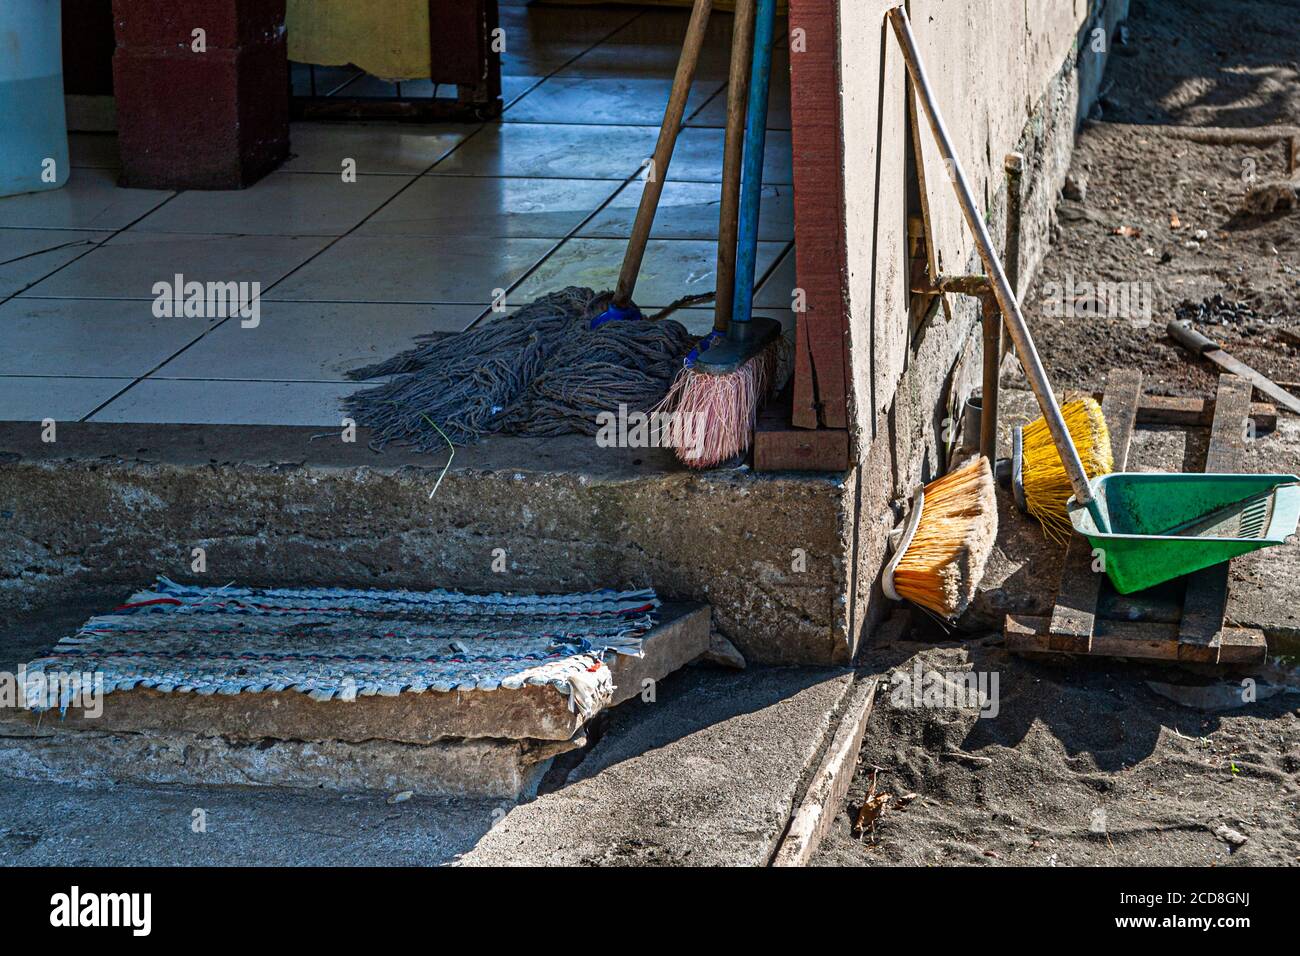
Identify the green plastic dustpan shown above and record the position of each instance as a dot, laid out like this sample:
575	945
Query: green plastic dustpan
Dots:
1163	526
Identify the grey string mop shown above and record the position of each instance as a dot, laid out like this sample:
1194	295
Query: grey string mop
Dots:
557	363
543	371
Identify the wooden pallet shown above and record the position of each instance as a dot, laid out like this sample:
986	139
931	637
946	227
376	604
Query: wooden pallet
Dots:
1181	621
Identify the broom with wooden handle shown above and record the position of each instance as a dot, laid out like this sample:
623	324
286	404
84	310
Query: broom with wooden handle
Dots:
621	305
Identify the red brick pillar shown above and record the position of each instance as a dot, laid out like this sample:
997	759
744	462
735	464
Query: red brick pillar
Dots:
207	111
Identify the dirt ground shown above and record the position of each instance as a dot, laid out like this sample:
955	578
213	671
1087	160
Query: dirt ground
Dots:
1084	763
1148	193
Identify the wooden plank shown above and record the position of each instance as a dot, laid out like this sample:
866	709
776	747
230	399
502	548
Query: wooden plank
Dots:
801	449
991	324
821	374
1145	640
1207	589
779	447
1119	407
1195	412
1074	616
1242	645
1153	641
830	784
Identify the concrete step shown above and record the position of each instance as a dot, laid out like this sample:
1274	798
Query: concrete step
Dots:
478	743
109	504
706	773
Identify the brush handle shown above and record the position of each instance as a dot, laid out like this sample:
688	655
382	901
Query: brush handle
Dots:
1006	296
668	131
751	183
742	49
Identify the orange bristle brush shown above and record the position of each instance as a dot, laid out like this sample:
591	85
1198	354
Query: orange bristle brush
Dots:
727	378
946	542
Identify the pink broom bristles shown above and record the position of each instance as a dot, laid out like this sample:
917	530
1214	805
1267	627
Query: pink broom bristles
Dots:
714	415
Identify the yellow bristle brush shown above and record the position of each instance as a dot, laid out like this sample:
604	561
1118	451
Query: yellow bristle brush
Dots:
1037	476
946	541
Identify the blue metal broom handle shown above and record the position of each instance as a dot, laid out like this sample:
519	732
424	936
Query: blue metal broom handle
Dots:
751	181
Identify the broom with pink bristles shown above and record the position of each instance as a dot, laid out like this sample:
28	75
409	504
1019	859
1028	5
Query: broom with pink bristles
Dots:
726	379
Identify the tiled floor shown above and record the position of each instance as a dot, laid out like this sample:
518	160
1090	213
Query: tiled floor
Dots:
437	223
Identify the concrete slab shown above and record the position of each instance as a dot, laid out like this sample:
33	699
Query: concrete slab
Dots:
108	502
830	784
498	769
44	824
707	776
483	744
525	713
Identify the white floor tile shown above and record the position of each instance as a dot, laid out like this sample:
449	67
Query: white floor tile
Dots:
412	269
191	402
375	147
552	150
26	398
282	204
93	337
313	342
29	255
128	266
473	206
91	199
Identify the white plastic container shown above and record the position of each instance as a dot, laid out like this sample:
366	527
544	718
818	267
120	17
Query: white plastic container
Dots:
33	128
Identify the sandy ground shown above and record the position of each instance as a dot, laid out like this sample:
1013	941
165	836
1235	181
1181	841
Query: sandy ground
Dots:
1186	63
1084	764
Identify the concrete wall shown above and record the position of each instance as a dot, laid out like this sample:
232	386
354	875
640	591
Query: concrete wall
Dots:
1009	75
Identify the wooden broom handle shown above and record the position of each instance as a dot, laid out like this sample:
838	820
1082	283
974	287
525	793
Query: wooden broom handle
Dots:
742	52
672	124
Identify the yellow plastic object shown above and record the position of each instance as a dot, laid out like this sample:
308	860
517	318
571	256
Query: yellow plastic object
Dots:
389	40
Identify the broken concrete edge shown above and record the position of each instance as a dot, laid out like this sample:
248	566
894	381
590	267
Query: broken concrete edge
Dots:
707	775
681	637
722	653
497	769
530	712
830	784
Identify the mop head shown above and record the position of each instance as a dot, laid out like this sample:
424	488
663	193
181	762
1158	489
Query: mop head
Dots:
542	371
951	539
1046	485
714	415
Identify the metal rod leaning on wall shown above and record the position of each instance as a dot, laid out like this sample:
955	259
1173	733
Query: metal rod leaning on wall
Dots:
1015	169
991	320
1014	317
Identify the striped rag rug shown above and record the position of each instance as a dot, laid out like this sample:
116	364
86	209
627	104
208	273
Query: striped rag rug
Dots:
336	643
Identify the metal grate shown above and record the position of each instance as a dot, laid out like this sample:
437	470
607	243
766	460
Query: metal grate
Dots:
1241	519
